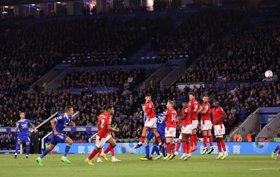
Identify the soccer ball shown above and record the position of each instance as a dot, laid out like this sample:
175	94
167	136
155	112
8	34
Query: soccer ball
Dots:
268	74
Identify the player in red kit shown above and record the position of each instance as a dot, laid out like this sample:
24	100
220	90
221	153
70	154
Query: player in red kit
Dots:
171	118
219	129
104	134
206	125
186	131
193	108
151	121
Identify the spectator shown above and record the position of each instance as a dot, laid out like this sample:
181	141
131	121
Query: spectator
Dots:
249	136
237	137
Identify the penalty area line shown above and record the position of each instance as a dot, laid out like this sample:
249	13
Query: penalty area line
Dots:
261	169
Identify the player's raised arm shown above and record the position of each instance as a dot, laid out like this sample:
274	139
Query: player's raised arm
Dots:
33	127
53	122
17	126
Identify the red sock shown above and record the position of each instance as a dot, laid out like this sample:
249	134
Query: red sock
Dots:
168	148
188	148
112	152
159	140
108	149
98	155
219	145
173	148
223	146
205	141
184	147
178	147
211	140
195	140
191	140
142	138
93	153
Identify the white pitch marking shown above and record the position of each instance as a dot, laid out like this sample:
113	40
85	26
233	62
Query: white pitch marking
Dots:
260	169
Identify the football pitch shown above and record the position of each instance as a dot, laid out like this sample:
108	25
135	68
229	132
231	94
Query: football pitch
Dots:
198	165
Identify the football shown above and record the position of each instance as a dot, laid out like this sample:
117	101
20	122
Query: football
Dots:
268	74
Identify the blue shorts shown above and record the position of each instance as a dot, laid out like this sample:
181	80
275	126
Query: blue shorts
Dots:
60	138
23	139
151	135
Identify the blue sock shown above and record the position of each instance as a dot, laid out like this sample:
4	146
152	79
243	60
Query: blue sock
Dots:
276	149
163	152
155	148
17	147
147	148
67	148
27	148
46	151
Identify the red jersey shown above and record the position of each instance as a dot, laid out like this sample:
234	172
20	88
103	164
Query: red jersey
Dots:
187	119
206	116
171	118
104	120
193	108
150	110
217	114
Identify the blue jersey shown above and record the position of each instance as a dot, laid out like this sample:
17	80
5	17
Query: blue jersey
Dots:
61	122
144	117
161	124
23	126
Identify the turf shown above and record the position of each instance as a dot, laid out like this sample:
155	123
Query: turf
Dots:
197	166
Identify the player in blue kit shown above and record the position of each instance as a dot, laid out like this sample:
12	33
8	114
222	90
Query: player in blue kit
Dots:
23	137
58	124
276	152
161	130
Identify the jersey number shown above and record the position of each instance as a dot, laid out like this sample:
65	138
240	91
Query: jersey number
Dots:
173	117
102	123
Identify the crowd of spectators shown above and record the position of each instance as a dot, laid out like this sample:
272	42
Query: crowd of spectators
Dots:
29	48
244	56
119	79
7	141
196	33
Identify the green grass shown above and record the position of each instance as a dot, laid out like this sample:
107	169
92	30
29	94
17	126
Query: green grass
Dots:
197	166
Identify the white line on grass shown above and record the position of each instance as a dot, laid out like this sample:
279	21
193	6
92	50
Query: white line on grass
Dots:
260	169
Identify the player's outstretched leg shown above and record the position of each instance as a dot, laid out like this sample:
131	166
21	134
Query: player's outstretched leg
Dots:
114	159
17	148
98	156
275	151
109	149
168	149
210	137
64	158
272	154
39	160
224	149
27	149
142	138
173	155
219	149
205	149
178	145
147	151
